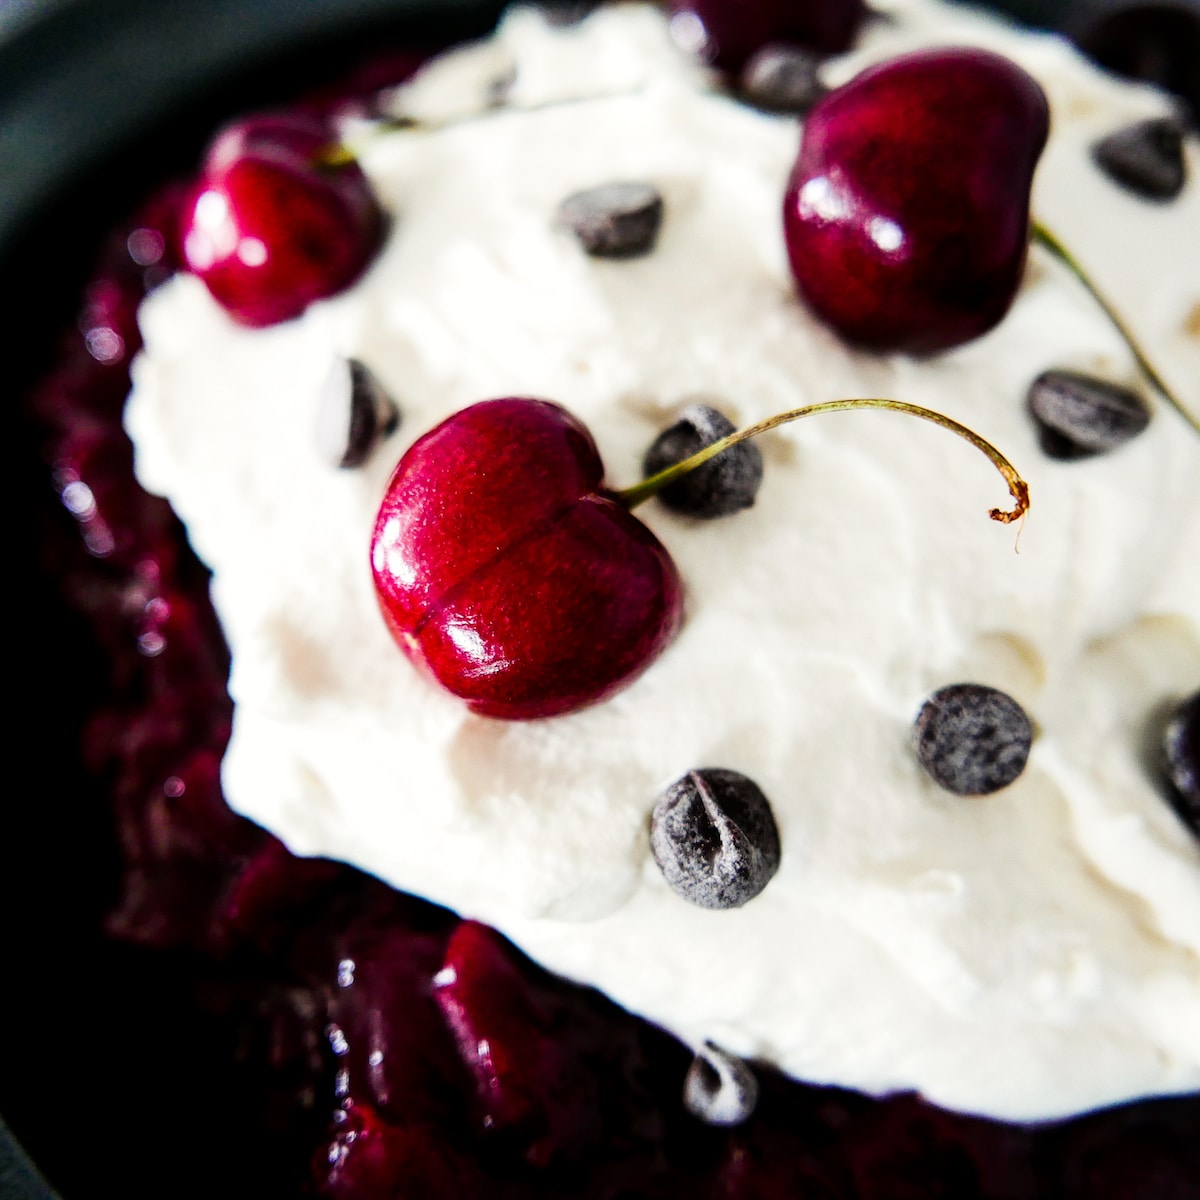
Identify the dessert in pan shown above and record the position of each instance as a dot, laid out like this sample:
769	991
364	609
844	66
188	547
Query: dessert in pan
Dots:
864	829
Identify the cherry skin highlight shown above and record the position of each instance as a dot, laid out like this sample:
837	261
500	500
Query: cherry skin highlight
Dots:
735	29
506	571
279	219
906	216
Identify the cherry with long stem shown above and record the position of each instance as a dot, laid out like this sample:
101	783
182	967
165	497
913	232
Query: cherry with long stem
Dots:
1046	238
631	497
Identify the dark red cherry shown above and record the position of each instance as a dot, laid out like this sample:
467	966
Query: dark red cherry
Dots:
505	569
727	32
369	1156
531	1087
907	213
279	218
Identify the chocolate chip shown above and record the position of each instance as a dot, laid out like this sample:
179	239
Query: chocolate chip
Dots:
782	78
1155	42
354	414
1079	415
614	220
1145	158
714	837
972	739
1181	756
725	484
719	1088
564	13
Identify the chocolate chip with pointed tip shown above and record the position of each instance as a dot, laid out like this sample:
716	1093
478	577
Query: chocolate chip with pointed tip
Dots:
614	220
1181	757
719	1088
782	78
714	838
1145	158
723	485
972	739
354	414
1079	416
1157	41
565	13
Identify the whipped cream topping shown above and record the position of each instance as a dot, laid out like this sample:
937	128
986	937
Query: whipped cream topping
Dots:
1027	954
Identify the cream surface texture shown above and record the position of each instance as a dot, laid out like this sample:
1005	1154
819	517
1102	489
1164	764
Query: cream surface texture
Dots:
1027	954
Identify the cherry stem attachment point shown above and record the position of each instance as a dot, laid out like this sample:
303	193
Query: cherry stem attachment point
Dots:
1044	237
631	497
333	157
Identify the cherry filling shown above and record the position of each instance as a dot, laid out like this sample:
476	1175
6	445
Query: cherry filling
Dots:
379	1046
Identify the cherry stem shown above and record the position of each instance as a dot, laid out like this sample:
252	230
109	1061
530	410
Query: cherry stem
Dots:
631	497
336	155
1046	238
333	157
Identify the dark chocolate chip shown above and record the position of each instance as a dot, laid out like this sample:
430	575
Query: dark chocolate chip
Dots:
972	739
782	78
561	14
723	485
1145	158
1181	756
1079	415
714	837
354	414
719	1088
1155	42
614	220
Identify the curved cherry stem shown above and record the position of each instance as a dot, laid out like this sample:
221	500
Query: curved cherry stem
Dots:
337	154
1046	238
1018	488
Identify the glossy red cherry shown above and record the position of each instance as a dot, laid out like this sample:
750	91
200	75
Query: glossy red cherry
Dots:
505	569
907	213
278	219
531	1086
728	32
370	1156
